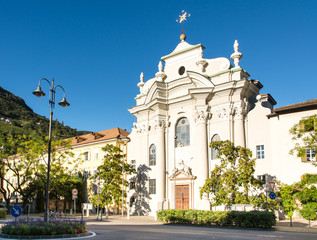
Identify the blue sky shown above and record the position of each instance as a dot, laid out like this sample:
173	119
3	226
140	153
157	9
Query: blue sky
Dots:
97	49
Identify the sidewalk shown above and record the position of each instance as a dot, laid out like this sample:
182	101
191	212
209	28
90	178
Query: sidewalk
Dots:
298	225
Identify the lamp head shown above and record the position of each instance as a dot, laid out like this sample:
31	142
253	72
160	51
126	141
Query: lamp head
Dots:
64	103
38	92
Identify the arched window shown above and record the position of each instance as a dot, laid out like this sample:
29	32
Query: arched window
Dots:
214	152
182	136
152	161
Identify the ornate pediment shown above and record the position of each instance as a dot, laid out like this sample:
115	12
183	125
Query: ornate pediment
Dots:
182	173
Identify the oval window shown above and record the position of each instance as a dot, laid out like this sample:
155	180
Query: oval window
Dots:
181	70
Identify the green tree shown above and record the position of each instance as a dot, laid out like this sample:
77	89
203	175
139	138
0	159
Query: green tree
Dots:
231	182
305	136
110	174
11	145
288	199
25	159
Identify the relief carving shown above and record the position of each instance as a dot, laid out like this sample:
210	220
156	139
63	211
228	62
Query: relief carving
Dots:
141	127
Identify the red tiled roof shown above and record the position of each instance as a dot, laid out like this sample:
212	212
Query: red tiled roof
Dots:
309	103
99	136
296	107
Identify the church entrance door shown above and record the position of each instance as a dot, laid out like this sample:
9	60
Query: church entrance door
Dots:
182	197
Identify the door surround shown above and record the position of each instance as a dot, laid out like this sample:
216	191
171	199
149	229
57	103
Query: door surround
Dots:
182	177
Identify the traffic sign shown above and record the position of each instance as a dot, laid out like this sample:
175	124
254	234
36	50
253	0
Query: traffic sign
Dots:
272	185
272	195
16	211
75	196
74	191
99	190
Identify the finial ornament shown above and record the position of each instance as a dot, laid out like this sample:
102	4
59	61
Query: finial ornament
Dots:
236	56
160	66
236	46
141	83
141	77
182	19
160	75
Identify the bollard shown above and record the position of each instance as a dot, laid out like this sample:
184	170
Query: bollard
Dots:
291	225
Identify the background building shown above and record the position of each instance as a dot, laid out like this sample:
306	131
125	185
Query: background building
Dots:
88	148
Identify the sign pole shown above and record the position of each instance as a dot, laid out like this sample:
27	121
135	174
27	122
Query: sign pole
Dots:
98	206
74	192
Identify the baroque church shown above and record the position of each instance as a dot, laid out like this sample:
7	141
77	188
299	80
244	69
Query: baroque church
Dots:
193	100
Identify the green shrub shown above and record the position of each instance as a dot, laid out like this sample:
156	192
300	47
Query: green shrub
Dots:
3	215
253	219
39	227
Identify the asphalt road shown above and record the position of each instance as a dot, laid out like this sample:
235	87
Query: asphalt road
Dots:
167	232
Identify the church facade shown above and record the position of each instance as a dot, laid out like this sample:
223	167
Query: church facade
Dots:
192	101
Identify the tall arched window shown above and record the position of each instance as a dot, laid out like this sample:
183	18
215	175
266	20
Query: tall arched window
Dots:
182	135
152	161
214	152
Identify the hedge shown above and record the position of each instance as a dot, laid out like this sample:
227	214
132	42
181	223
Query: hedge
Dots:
253	219
3	215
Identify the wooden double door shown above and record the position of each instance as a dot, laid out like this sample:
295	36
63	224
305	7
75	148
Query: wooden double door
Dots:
182	197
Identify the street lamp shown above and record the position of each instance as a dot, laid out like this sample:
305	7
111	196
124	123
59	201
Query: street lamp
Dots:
39	93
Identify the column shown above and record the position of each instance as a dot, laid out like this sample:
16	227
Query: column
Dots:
201	156
239	132
160	162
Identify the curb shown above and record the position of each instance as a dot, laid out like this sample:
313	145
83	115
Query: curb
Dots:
45	236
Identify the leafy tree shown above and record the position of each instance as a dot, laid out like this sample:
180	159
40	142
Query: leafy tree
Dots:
305	135
231	182
25	159
300	196
110	173
288	200
307	195
11	145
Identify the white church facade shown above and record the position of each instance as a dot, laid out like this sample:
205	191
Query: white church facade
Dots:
192	101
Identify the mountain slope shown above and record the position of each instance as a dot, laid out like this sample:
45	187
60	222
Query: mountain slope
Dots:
17	116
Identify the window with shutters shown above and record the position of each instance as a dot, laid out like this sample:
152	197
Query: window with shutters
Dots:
96	153
86	156
308	125
310	156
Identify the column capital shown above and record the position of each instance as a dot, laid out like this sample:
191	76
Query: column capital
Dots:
202	114
160	124
238	112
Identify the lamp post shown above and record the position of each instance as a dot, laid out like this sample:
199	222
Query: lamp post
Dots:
39	93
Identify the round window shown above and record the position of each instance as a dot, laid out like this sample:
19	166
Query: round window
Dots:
181	70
